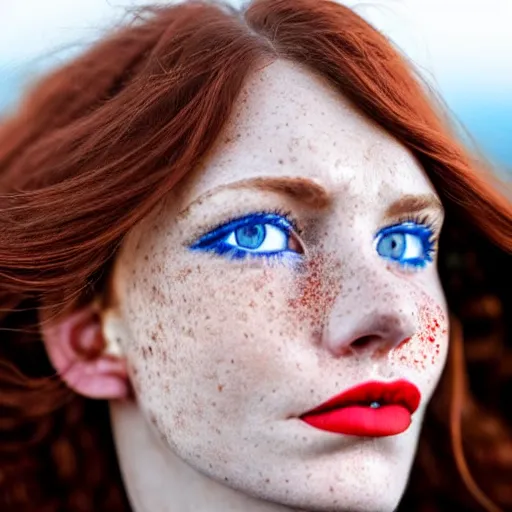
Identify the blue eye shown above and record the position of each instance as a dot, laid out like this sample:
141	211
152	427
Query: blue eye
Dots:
410	244
252	237
266	235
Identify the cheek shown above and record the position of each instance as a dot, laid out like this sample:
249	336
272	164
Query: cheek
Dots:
427	349
204	334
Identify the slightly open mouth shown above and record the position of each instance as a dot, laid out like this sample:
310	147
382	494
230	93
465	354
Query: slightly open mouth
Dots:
372	405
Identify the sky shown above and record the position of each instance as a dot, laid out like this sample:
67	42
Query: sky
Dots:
463	48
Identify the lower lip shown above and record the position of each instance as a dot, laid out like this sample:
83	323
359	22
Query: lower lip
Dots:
364	421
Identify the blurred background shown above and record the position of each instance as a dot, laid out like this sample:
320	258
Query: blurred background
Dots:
462	47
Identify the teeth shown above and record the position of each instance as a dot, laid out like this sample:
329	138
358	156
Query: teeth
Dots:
375	405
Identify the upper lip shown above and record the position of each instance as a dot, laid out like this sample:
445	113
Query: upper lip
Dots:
399	392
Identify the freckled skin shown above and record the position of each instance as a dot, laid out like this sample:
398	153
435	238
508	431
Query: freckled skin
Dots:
426	347
317	287
224	355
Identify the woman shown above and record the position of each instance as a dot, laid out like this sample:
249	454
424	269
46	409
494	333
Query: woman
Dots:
226	225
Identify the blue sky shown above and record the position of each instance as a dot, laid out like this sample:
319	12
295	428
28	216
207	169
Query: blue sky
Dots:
461	46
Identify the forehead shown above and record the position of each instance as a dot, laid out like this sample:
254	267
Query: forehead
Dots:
289	122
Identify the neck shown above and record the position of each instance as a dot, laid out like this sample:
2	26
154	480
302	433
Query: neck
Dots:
156	479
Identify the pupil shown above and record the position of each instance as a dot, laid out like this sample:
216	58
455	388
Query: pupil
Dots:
396	245
250	237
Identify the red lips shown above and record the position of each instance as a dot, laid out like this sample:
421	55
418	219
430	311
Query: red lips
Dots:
373	409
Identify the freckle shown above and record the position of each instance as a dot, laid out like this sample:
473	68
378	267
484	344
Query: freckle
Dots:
281	161
220	387
318	288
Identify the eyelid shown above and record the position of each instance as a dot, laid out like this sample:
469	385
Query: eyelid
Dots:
430	219
408	226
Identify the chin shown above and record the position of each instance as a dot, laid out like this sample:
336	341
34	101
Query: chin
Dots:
370	476
372	495
347	474
370	485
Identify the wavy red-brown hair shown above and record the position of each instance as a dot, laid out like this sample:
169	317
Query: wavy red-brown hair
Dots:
98	143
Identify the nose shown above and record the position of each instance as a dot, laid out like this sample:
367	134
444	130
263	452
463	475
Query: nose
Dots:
370	320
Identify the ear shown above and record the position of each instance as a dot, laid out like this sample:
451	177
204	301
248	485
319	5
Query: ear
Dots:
85	360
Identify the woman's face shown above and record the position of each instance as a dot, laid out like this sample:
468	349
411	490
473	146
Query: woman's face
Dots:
295	264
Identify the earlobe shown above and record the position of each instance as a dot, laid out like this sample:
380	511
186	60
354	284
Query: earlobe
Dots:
85	360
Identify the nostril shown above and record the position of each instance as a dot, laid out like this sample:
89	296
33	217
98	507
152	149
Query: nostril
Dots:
363	342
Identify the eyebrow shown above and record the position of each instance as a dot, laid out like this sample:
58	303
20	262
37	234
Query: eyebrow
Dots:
305	190
413	204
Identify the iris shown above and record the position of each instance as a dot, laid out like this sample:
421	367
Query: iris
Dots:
250	237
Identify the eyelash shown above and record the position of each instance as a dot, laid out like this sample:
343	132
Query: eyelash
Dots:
285	214
424	221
